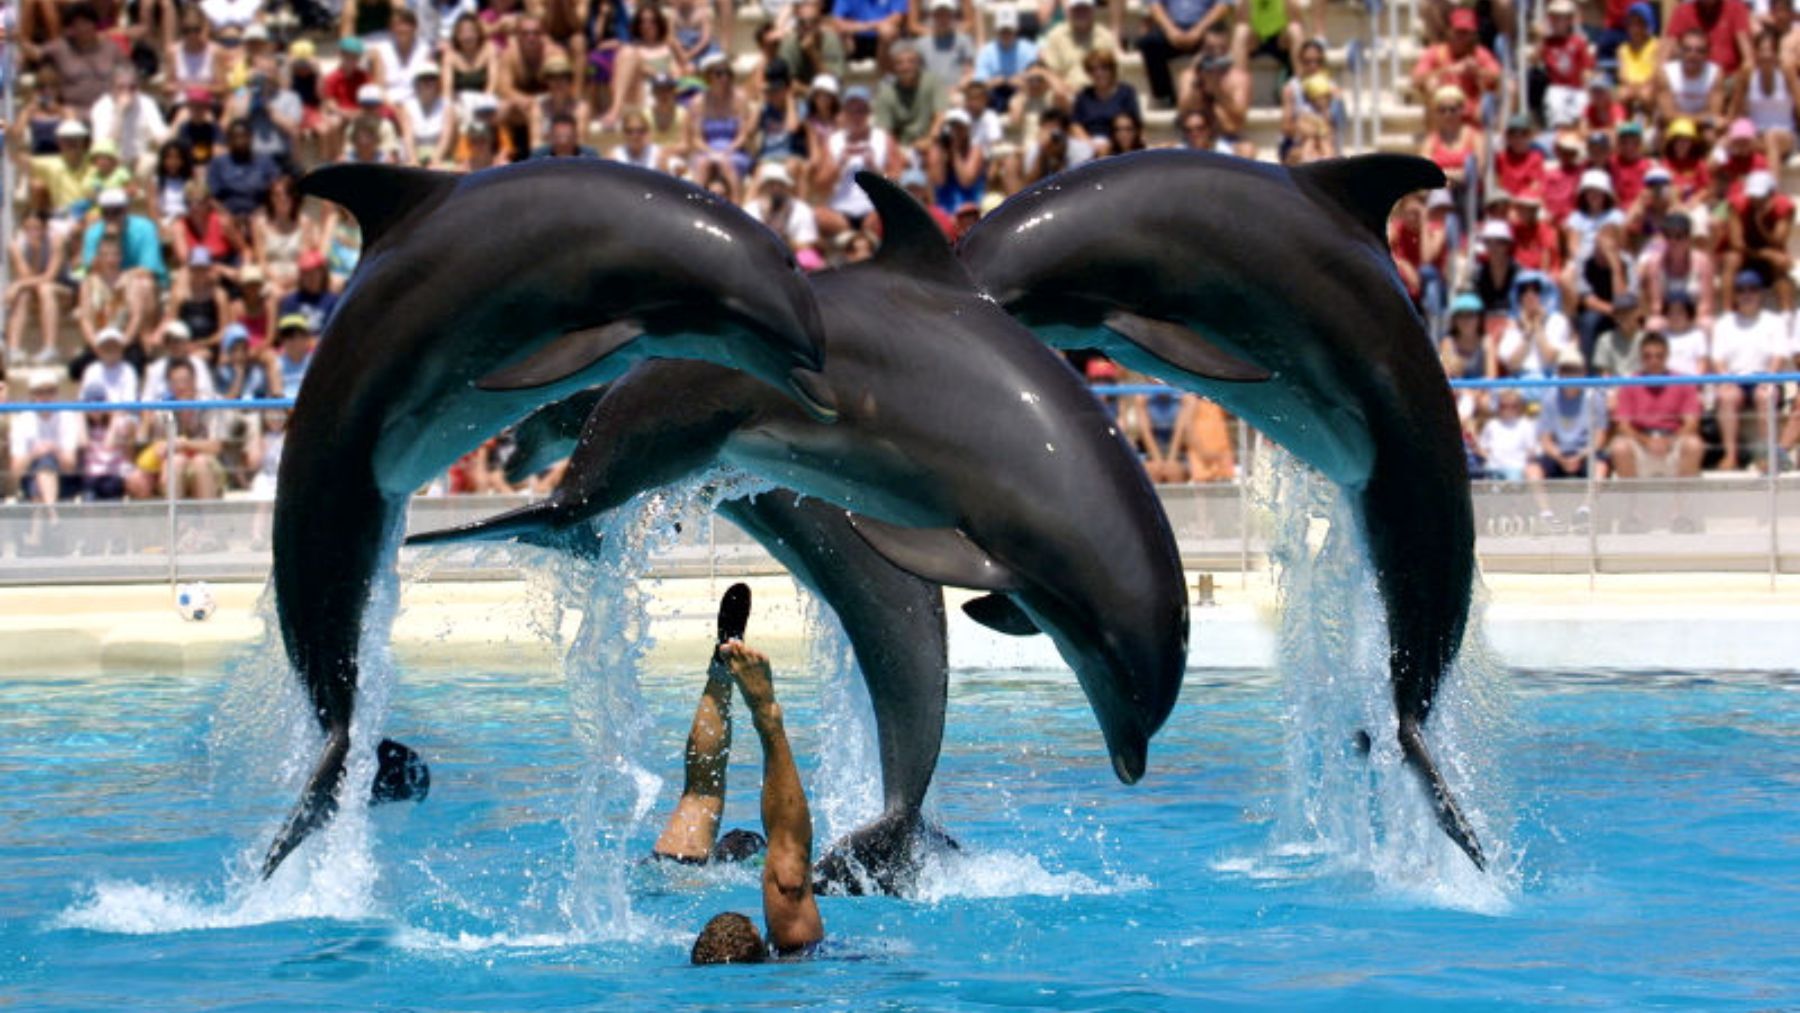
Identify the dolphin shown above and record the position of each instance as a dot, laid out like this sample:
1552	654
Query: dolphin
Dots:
895	624
968	453
477	299
1272	291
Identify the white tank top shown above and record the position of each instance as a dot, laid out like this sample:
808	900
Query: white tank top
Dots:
1772	108
1690	93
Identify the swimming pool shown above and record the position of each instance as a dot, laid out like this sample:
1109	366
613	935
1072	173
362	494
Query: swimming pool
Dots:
1651	843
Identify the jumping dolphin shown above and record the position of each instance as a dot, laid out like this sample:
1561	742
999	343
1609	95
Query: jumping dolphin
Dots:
970	454
895	624
1272	291
477	299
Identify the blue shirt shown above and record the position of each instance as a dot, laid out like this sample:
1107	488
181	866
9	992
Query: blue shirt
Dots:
1187	13
867	10
139	244
241	186
994	62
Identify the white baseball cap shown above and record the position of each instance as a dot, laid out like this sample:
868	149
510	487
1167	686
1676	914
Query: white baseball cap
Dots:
112	334
1006	18
825	83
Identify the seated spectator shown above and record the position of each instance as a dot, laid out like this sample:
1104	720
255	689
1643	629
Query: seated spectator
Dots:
1562	177
1468	349
775	133
1673	263
1685	157
1689	344
1629	166
1104	98
1756	238
341	87
429	122
909	102
669	119
1564	62
196	126
1749	339
1535	336
109	370
1658	427
1148	423
522	72
1271	28
1127	135
107	473
1203	441
916	183
395	62
1462	61
1645	218
1690	86
313	299
1570	427
868	28
854	147
130	120
140	250
177	346
955	164
1509	440
1043	92
810	47
719	122
262	453
947	49
559	99
638	149
1519	165
564	141
1739	155
1765	94
63	174
1599	280
169	183
1175	28
205	226
1496	270
1616	349
986	126
1723	27
104	298
276	115
1295	102
1066	45
1004	60
1452	142
774	205
1217	86
186	461
294	345
39	283
648	55
1055	148
198	300
46	446
1536	244
1406	241
85	61
691	31
1640	60
240	374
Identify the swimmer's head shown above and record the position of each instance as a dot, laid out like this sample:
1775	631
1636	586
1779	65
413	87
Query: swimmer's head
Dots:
738	846
730	938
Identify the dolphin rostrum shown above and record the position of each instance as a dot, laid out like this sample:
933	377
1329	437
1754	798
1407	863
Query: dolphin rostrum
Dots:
968	453
1272	291
477	299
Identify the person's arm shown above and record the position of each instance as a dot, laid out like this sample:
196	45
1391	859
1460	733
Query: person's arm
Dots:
347	20
791	913
694	827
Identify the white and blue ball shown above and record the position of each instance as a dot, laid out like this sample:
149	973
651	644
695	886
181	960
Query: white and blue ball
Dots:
195	601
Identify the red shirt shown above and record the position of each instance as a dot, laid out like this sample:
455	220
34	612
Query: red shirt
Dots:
1731	18
1604	116
1560	188
1690	175
1628	178
341	84
1407	245
1615	13
1735	169
1778	207
1567	60
1519	174
1658	409
1439	57
1537	249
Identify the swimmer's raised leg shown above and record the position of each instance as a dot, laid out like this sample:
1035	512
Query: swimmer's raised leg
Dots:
694	826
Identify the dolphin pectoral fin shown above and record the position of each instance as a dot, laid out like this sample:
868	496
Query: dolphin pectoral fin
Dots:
1449	815
563	357
1367	187
318	801
940	555
400	776
380	196
1184	348
998	613
520	524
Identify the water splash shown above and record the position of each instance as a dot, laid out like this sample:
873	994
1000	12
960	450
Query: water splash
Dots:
1344	813
846	785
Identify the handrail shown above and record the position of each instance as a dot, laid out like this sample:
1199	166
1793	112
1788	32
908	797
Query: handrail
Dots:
1510	383
215	404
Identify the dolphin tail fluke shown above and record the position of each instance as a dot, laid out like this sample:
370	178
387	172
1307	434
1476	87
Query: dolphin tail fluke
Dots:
883	857
1449	814
318	801
527	524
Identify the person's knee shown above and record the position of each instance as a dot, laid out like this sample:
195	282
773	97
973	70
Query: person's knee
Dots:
1731	396
1765	396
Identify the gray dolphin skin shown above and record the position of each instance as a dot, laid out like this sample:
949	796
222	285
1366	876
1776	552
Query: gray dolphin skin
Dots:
477	299
967	452
894	621
1273	292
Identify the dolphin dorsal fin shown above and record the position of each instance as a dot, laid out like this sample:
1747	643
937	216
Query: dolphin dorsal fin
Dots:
380	196
1367	186
911	242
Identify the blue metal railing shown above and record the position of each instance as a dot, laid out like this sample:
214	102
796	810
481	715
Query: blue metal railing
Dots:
214	405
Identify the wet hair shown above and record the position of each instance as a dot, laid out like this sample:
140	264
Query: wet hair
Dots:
729	938
738	846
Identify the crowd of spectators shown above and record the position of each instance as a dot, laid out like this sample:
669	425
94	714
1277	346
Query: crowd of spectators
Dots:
161	250
1616	211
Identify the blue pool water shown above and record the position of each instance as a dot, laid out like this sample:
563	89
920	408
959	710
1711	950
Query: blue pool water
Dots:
1649	841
